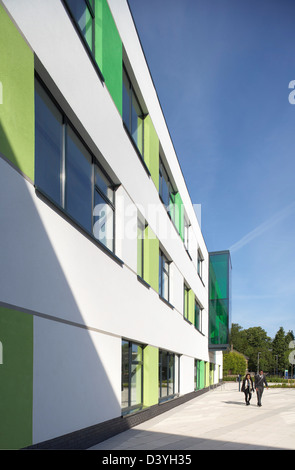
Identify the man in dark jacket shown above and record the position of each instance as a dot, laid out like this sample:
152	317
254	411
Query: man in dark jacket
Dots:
260	381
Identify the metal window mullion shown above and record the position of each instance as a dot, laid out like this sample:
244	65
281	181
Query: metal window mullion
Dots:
63	169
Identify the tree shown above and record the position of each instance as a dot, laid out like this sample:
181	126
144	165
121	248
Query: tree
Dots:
234	363
250	342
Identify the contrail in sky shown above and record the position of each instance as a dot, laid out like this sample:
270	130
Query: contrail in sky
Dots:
263	227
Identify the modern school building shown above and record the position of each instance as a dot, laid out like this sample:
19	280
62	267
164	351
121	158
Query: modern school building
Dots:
111	308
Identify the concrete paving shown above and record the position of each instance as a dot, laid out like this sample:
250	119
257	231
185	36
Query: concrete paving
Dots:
216	420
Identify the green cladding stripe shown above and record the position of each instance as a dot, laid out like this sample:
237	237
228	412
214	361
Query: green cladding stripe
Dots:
179	215
151	259
202	375
191	306
151	150
17	104
16	379
108	51
150	374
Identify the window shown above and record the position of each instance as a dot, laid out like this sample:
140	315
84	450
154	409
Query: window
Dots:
197	374
133	115
48	145
140	248
198	316
186	233
132	376
166	190
164	276
200	264
186	302
103	223
168	374
82	12
78	189
67	173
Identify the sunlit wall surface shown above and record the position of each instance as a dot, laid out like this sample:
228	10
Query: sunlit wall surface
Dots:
219	299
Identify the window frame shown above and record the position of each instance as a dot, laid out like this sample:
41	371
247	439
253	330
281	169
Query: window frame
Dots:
186	290
162	271
138	406
94	162
90	51
200	328
200	260
128	126
174	393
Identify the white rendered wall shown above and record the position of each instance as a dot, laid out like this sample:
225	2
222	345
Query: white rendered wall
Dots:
76	378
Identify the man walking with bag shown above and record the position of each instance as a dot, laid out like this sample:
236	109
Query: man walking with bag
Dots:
260	381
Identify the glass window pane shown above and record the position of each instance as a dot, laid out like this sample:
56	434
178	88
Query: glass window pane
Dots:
140	242
165	287
137	123
78	181
125	375
136	374
165	192
83	17
171	374
48	145
164	374
104	184
103	219
126	100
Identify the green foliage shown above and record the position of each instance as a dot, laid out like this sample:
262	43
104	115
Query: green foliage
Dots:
234	362
273	354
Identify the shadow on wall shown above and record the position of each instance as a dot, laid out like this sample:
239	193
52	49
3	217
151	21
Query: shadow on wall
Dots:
55	377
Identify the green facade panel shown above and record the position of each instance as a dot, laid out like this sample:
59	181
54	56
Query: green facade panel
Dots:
151	150
151	376
179	215
151	259
191	306
16	379
219	299
17	100
108	51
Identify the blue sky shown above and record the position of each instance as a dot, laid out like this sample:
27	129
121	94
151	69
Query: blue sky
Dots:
222	70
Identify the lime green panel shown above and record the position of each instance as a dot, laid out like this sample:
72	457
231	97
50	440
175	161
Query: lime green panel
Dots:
179	215
191	306
17	104
207	378
202	375
150	376
108	51
151	150
16	379
151	259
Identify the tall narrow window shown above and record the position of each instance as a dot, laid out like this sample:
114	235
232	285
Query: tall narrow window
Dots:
48	146
82	12
78	181
133	115
186	233
103	213
200	264
168	375
132	376
140	248
198	316
186	302
163	276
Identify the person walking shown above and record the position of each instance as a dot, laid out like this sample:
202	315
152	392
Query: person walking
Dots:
260	381
247	388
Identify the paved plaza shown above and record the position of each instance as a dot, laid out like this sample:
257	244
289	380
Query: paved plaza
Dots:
217	420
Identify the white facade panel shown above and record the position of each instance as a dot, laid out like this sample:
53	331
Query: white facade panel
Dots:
77	378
